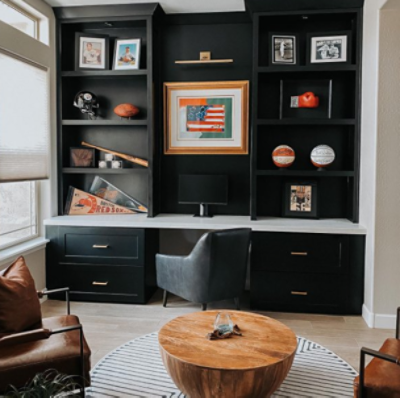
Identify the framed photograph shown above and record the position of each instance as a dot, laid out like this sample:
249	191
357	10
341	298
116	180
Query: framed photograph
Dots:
91	51
82	157
206	118
127	54
284	49
300	200
325	48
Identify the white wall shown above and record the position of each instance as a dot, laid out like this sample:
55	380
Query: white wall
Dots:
380	190
387	223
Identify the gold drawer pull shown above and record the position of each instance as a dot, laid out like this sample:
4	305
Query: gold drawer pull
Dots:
299	293
299	253
100	246
100	283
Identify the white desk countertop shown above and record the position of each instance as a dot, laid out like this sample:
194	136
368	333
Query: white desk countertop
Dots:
186	221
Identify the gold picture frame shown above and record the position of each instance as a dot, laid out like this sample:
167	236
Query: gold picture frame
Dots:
206	118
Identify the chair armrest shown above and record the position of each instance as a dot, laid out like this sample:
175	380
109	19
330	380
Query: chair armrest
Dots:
24	337
169	260
376	354
46	292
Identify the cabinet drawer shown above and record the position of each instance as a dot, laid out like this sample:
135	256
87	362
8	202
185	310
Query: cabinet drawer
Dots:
299	252
102	246
297	291
104	279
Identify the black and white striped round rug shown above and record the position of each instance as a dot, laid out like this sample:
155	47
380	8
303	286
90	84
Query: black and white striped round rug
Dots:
136	370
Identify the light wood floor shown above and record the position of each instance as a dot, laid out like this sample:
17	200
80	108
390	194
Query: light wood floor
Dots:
107	326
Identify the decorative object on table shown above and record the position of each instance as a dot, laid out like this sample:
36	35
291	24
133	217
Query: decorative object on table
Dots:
105	164
206	118
127	54
126	110
300	200
223	327
326	48
82	157
218	335
91	51
205	58
283	49
83	203
104	189
322	156
283	156
87	103
312	360
129	158
116	164
306	100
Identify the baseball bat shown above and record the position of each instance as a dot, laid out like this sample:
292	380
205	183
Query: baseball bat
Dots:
129	158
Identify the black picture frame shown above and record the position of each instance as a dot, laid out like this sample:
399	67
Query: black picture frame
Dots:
273	57
328	36
82	157
93	39
292	207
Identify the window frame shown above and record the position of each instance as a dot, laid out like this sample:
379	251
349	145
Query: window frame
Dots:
37	234
27	14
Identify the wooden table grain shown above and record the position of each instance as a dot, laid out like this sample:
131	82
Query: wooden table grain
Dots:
251	366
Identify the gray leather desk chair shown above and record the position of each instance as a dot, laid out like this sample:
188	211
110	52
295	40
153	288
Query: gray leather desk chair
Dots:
214	270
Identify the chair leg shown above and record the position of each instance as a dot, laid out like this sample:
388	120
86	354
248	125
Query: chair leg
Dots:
237	303
165	298
204	307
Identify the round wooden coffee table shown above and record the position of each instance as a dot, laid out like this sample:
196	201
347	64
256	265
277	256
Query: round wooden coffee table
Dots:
251	366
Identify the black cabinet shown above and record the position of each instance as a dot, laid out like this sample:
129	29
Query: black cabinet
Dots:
307	272
102	264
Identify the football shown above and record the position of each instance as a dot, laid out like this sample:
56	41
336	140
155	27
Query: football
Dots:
283	156
322	156
126	110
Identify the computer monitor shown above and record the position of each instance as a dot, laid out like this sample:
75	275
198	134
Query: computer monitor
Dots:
203	190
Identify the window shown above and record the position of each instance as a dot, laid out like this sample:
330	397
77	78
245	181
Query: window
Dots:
20	19
18	212
24	146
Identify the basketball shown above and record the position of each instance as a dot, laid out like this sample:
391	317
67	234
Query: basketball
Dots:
283	156
126	110
322	156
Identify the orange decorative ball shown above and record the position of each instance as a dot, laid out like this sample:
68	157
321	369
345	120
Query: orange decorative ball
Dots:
126	110
283	156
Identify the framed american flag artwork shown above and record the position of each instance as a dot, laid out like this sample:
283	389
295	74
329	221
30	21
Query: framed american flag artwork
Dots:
204	118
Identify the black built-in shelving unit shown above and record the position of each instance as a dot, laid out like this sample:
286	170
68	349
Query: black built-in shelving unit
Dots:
112	87
338	185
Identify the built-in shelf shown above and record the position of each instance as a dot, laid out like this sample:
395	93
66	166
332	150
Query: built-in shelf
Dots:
304	173
104	73
316	122
307	68
100	122
95	170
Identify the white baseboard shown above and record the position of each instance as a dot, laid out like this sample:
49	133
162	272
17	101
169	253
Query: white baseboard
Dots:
385	321
368	316
378	321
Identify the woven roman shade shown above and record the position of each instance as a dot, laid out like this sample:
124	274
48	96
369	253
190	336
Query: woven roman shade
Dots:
24	120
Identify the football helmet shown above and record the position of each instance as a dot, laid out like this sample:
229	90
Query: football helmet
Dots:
86	102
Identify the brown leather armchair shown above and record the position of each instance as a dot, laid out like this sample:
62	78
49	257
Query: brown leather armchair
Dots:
58	343
381	378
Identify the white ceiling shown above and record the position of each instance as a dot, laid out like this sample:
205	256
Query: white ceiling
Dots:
169	6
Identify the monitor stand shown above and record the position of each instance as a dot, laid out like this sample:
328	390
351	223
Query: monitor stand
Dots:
203	211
